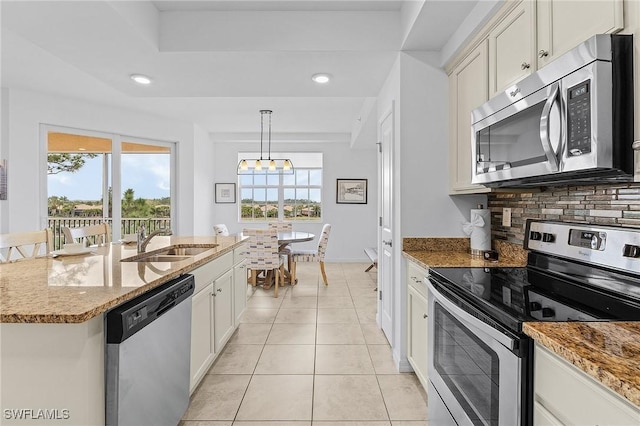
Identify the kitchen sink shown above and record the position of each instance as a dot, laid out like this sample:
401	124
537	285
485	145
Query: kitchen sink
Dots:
175	253
157	258
185	251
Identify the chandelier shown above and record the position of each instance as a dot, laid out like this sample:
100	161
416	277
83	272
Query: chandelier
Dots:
266	165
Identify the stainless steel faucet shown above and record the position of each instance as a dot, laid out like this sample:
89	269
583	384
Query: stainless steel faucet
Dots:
143	238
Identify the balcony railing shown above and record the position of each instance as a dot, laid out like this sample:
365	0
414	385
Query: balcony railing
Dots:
127	225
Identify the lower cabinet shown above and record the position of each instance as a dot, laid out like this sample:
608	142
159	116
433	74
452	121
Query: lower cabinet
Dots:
565	395
239	290
223	309
417	321
202	343
217	305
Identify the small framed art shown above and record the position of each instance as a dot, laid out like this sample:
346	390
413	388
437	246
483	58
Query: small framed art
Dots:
225	192
351	191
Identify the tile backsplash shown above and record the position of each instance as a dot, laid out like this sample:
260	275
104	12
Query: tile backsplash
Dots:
612	204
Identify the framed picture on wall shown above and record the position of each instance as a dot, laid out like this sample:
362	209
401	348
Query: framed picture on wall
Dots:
351	191
225	192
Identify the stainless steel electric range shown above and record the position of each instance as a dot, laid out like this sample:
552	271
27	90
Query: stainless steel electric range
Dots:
480	364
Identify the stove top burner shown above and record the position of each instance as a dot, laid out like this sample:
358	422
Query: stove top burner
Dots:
579	272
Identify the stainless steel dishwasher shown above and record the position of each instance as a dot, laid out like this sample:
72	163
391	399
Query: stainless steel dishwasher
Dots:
147	356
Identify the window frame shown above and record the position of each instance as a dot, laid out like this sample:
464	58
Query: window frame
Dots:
115	171
281	200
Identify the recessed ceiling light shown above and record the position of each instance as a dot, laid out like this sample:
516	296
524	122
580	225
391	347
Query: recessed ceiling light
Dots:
140	79
321	78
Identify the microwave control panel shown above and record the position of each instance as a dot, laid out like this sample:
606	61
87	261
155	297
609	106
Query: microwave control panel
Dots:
579	119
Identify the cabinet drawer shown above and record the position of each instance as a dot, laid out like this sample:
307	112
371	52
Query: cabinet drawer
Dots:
415	278
572	397
240	253
208	272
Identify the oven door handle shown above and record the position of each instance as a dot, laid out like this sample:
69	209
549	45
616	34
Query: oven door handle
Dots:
545	136
464	316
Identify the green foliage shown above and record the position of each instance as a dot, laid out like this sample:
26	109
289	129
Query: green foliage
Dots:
66	162
131	206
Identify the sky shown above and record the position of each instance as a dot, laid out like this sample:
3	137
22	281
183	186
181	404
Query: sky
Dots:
147	174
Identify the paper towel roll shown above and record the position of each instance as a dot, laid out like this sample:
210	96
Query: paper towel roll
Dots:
480	235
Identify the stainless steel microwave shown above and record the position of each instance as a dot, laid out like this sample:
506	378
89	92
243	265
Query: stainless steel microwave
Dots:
571	121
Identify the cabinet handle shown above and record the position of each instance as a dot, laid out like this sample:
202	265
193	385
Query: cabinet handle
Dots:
424	316
543	54
386	243
219	290
525	66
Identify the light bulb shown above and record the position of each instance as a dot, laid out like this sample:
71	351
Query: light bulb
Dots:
286	165
243	165
258	165
141	79
272	165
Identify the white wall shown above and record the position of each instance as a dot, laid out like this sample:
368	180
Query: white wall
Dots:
27	110
353	226
203	178
427	208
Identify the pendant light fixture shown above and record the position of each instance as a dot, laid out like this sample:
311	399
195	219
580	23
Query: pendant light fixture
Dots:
273	165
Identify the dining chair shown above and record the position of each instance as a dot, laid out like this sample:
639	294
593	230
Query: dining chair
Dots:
263	255
98	234
221	229
27	245
312	255
283	227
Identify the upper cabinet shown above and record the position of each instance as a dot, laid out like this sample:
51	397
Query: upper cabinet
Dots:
468	89
512	48
563	24
521	38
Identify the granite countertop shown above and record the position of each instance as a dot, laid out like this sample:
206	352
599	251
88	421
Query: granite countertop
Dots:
74	289
607	351
454	253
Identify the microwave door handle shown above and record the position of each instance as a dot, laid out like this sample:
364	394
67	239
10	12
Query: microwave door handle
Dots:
545	136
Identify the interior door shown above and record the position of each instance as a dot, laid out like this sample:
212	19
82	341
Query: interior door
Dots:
385	243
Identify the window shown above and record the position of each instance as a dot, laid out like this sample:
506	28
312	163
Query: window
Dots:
268	195
82	188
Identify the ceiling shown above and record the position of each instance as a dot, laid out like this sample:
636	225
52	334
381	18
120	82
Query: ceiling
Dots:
217	63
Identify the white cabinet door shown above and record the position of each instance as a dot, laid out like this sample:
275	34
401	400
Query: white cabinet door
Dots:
202	347
511	48
542	417
563	24
417	334
570	396
468	89
239	291
223	309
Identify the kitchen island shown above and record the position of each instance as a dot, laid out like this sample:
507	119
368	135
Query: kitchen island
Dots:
52	324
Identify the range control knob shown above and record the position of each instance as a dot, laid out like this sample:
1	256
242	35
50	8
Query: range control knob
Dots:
630	250
548	238
548	312
535	306
535	235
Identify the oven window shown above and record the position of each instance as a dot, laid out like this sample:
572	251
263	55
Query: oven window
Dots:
512	142
468	366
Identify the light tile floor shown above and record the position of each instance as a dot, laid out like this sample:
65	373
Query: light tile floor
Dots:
313	356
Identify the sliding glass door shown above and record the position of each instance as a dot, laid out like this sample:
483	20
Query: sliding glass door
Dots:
95	177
